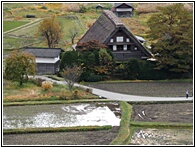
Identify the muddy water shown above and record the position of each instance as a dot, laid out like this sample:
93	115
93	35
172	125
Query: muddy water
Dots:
151	136
81	114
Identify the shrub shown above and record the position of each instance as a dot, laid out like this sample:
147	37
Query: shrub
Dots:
75	94
33	81
90	77
69	58
33	9
82	9
43	7
39	81
64	95
47	85
142	70
6	9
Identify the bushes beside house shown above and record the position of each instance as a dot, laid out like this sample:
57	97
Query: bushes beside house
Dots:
137	69
96	68
96	61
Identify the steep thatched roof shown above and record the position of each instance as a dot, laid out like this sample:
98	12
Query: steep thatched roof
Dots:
102	28
105	27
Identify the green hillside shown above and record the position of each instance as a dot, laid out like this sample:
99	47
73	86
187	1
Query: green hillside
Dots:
20	31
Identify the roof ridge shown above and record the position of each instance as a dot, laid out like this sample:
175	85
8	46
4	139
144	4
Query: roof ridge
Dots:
114	19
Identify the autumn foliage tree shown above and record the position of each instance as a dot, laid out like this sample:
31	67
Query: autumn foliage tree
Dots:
90	46
18	65
171	31
97	61
51	30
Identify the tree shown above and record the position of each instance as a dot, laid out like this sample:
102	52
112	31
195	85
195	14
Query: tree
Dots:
73	32
171	31
69	58
97	61
50	29
105	63
18	65
71	74
90	46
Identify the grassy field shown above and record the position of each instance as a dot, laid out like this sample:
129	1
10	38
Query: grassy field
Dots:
8	25
31	92
26	36
69	17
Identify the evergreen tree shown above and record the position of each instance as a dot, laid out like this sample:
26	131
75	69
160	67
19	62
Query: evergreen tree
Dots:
171	31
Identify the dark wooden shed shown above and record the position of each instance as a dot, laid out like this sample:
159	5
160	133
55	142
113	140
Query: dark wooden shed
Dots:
123	9
47	59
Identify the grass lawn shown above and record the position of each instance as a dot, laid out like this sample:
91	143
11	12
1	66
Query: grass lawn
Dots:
8	25
31	92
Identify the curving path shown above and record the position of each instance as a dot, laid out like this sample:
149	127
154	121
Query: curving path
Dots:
122	97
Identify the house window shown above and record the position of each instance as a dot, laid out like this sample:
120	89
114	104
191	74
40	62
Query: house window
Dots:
119	39
127	40
125	47
111	40
114	48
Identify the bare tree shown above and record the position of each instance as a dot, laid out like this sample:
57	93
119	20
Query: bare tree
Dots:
73	32
71	75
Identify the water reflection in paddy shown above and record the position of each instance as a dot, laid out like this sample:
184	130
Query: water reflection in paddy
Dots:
82	114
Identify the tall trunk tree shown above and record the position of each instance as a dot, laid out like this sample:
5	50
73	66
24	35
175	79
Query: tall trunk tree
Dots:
50	29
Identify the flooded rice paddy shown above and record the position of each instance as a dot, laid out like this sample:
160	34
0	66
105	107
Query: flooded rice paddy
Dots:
80	114
153	136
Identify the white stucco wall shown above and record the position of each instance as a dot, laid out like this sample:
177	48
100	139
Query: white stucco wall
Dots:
47	60
123	9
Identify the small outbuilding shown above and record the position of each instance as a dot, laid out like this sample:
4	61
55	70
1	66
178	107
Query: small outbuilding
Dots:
99	7
30	16
47	59
123	9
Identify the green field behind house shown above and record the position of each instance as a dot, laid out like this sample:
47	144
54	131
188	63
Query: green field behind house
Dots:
8	25
14	16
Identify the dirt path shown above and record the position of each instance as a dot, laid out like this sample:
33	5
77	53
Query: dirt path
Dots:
23	26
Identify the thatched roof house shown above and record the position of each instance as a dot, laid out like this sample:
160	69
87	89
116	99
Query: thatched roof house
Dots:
109	30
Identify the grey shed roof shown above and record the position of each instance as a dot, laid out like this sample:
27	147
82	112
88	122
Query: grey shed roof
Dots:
44	52
118	4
